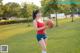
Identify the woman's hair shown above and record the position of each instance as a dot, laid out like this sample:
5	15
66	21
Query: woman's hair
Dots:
35	13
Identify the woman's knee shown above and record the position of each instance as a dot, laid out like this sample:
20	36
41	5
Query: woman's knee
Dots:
42	44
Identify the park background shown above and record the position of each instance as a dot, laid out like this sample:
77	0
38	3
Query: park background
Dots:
16	28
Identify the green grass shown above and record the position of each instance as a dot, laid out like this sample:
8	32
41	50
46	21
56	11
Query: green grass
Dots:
22	39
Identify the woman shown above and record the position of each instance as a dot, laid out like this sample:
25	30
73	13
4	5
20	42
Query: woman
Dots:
40	27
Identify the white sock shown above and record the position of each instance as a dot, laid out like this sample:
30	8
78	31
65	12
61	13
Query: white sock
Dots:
44	51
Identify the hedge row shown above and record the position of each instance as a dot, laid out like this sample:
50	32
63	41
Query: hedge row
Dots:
14	21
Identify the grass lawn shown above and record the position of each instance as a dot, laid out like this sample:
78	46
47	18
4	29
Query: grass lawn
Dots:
22	39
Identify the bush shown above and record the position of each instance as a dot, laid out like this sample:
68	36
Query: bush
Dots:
4	22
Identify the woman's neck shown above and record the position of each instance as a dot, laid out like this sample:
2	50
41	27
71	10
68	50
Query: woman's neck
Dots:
39	20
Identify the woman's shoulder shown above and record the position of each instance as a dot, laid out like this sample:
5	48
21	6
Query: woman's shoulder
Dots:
34	21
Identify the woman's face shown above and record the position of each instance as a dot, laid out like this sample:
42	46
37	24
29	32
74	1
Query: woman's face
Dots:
38	15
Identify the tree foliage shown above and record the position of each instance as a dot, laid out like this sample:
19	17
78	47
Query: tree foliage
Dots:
13	9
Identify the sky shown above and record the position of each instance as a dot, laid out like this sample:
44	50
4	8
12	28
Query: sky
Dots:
36	2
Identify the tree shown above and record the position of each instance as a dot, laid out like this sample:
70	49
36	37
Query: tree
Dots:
50	7
1	8
27	9
11	9
24	12
45	7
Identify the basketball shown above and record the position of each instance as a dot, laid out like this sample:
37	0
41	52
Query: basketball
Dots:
49	23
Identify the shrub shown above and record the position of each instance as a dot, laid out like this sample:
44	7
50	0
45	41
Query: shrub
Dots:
4	22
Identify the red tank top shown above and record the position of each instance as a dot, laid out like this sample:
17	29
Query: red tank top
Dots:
39	24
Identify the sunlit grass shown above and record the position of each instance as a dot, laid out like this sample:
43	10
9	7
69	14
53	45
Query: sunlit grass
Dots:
7	31
62	39
66	20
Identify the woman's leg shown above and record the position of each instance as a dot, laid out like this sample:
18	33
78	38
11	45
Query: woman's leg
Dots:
43	45
45	41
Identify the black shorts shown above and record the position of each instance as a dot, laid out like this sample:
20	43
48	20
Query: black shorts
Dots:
40	36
